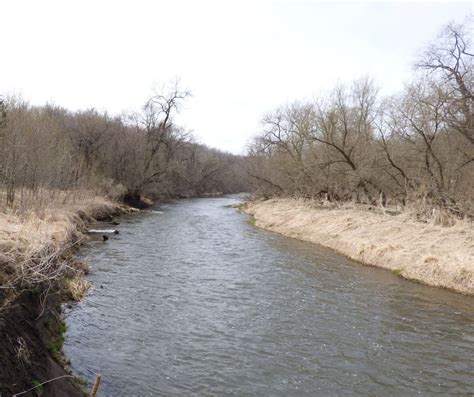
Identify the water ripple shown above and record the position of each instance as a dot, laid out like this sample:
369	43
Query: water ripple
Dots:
194	301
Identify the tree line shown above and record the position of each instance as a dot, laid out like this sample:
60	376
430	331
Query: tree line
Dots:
353	144
48	148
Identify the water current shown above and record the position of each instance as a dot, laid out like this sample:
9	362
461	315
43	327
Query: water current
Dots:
191	299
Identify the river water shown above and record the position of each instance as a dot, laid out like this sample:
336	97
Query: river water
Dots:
191	299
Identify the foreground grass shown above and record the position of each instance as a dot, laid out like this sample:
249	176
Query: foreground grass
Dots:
37	245
435	253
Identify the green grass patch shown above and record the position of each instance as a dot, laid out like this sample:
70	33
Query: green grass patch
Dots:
251	221
79	380
55	345
397	271
38	388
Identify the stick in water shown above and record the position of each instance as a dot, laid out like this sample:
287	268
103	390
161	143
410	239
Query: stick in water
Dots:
96	385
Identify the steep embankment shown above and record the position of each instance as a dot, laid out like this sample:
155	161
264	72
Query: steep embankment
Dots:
37	273
424	252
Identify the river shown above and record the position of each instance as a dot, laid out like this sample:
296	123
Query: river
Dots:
191	299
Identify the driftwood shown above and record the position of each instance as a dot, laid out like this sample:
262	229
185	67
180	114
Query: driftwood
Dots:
98	378
103	231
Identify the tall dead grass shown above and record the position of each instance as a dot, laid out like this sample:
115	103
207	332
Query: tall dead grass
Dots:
437	250
36	245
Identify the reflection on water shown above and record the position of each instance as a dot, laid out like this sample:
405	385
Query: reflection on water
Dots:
192	300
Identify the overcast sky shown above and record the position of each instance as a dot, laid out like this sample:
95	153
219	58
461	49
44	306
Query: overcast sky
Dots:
240	58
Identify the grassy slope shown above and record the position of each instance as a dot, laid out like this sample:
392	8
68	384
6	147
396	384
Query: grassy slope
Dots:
425	252
27	238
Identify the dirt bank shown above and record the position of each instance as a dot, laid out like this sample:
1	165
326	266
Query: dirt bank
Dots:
37	274
31	331
428	253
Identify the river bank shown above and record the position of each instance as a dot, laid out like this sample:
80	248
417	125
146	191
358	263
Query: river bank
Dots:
424	252
38	272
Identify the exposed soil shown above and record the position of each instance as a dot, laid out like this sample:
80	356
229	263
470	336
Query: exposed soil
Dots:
29	330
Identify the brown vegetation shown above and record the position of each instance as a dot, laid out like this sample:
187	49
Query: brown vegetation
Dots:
60	170
380	179
36	247
414	148
48	148
428	252
38	271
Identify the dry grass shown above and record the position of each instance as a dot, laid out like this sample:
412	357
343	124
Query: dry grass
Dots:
439	252
76	287
36	245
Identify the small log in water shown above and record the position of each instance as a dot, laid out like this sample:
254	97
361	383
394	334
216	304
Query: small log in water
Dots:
103	231
98	378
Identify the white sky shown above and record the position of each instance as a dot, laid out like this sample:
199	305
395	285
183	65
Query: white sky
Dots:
240	59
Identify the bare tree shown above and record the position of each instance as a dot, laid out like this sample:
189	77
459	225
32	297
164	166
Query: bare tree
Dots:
161	135
450	59
415	146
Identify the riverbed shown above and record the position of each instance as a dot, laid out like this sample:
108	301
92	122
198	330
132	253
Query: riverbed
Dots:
191	299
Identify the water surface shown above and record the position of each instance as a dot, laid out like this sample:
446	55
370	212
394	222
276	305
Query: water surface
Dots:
193	300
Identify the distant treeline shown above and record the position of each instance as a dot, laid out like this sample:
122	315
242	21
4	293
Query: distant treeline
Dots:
53	149
351	144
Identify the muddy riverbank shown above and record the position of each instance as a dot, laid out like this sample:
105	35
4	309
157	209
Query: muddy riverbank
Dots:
30	348
38	273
